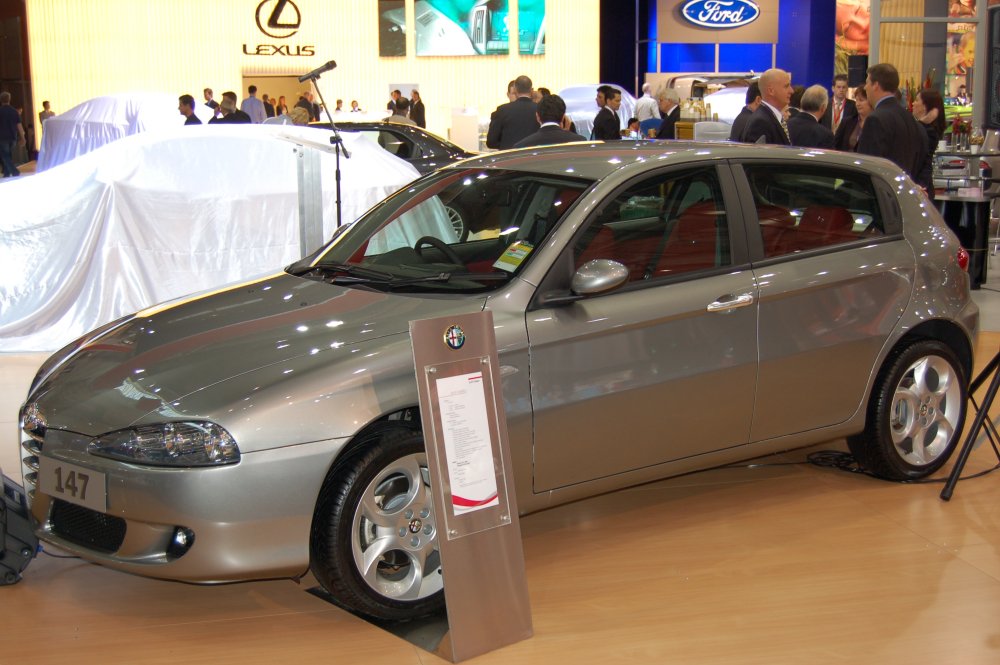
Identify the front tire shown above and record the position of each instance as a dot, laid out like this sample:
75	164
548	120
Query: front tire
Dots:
374	537
915	414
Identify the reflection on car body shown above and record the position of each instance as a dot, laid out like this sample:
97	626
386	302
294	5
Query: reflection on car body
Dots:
661	308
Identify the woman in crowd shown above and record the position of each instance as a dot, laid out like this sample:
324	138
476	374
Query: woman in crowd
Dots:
281	107
850	129
928	109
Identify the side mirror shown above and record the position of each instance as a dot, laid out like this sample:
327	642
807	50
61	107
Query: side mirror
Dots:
598	276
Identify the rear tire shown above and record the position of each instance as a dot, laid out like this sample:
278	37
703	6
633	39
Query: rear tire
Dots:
915	414
374	538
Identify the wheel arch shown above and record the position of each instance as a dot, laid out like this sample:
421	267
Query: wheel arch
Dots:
943	331
407	417
404	417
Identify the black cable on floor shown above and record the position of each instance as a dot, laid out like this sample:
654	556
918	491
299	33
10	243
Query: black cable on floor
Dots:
845	461
837	459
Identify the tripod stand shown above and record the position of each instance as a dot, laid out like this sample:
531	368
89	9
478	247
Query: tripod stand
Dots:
336	139
981	421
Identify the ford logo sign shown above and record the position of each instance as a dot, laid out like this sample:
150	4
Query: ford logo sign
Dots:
720	13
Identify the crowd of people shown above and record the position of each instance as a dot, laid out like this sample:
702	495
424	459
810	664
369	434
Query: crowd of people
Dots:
17	137
875	122
268	109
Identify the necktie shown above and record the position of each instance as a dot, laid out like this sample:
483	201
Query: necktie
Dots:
837	110
784	128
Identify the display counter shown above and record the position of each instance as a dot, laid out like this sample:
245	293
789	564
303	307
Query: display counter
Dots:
969	218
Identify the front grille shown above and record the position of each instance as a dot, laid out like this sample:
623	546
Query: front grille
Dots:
87	527
29	467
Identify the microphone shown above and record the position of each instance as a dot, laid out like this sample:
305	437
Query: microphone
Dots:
314	74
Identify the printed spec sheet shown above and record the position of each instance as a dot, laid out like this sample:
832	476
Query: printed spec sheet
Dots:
467	444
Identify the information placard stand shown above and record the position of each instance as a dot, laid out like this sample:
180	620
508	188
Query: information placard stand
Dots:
468	455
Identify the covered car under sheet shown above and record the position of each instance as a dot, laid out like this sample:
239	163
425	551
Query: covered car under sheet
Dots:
101	120
159	215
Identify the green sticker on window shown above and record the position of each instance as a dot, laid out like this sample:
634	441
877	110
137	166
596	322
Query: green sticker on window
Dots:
514	256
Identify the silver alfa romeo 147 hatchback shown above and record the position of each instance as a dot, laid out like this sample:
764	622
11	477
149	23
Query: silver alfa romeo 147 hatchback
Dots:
659	307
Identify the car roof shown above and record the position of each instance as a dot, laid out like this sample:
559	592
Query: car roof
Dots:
596	159
354	125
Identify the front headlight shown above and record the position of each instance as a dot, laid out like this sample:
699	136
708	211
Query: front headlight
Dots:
169	444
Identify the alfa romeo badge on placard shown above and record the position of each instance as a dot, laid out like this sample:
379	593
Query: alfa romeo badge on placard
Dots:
454	337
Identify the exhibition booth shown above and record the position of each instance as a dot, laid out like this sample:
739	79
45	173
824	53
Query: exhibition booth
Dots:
279	357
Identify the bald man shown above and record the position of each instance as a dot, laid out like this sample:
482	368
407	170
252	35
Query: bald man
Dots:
646	107
765	124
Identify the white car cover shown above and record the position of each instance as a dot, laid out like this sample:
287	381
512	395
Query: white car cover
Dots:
101	120
727	103
158	215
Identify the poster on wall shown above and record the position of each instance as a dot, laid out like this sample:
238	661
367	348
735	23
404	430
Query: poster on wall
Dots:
961	60
852	24
531	27
391	28
461	27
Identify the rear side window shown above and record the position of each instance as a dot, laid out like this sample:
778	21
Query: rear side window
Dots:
801	209
398	145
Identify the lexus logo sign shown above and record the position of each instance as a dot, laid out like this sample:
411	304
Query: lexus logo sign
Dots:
279	19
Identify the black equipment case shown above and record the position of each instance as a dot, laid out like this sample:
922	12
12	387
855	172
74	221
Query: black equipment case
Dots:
17	535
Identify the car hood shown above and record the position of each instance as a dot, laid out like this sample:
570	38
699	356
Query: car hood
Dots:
170	351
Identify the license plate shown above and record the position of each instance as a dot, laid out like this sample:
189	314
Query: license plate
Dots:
72	483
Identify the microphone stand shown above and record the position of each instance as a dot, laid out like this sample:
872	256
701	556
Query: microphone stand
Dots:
335	140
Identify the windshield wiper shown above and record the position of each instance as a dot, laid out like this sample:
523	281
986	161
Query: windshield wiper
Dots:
351	273
447	277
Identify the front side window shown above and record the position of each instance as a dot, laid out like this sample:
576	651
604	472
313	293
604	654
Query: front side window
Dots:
455	230
667	225
804	208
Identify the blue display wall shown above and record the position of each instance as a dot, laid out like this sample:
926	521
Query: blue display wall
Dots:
805	44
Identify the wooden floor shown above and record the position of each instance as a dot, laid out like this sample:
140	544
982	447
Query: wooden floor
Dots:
769	564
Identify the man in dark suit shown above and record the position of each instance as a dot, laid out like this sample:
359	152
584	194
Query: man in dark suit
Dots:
607	125
393	98
514	120
551	114
670	108
211	103
230	114
804	128
752	102
891	131
765	124
840	108
186	108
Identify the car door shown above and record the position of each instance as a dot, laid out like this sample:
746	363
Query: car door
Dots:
664	367
834	273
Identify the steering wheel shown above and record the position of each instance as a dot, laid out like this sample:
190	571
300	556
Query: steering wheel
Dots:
440	245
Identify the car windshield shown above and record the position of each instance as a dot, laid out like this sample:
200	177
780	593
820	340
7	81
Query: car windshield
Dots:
467	230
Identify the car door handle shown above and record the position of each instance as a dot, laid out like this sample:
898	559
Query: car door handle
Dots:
729	302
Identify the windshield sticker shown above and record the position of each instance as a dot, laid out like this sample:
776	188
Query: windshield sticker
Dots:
514	256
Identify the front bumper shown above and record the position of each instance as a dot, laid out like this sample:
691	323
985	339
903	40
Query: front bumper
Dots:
250	520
